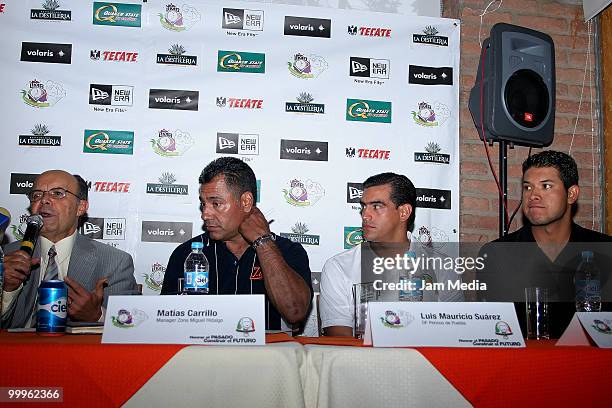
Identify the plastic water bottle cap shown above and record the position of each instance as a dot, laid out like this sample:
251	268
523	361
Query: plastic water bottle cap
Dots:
197	245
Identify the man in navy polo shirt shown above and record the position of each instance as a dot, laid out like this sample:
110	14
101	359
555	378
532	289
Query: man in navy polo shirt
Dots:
244	256
546	251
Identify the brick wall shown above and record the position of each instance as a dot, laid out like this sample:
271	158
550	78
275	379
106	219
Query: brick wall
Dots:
564	23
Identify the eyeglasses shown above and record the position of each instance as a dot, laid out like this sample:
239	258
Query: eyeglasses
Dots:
55	193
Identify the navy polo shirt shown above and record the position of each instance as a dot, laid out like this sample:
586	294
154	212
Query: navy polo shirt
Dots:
229	275
512	266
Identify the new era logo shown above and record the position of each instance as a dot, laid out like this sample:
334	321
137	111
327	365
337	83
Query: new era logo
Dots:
231	18
238	143
226	143
354	192
369	68
358	67
97	94
90	228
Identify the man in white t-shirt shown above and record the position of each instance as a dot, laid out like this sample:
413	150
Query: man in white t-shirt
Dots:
387	214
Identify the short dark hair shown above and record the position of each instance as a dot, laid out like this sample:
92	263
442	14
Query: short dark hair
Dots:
564	163
239	177
402	190
82	187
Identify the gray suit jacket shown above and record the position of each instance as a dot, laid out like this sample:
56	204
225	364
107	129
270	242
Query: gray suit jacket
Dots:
89	261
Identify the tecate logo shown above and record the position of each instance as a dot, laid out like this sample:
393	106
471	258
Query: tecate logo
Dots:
369	31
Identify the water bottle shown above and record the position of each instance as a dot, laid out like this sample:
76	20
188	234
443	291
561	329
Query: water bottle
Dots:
196	270
411	282
587	284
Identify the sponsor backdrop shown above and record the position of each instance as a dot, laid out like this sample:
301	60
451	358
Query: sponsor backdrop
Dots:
138	97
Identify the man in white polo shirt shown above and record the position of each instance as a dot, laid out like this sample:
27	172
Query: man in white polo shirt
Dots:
387	214
91	270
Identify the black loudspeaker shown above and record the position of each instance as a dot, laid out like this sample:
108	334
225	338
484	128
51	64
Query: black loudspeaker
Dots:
517	89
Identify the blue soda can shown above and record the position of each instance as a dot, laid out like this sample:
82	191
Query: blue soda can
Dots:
52	308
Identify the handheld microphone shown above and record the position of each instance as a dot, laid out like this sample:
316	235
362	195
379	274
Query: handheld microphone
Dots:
5	220
34	225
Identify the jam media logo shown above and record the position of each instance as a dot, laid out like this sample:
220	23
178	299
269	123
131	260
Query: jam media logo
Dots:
430	75
361	110
299	234
166	186
171	143
303	193
237	143
46	52
237	61
110	187
104	228
243	19
177	57
179	19
304	105
173	99
166	231
363	153
126	319
50	12
117	14
116	56
113	95
303	150
354	192
42	95
22	183
432	198
369	31
239	103
429	116
430	37
155	279
353	236
40	137
369	68
108	141
432	155
306	66
308	27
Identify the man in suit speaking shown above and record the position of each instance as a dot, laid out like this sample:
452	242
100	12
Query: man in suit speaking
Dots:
91	270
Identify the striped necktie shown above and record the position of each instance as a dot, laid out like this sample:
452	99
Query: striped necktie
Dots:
52	272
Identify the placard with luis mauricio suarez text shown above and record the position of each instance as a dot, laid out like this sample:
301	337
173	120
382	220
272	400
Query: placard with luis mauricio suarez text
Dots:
443	324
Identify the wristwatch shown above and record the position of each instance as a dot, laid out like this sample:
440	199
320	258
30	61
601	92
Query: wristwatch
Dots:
263	239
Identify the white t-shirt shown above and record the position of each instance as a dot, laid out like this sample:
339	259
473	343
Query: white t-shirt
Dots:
343	270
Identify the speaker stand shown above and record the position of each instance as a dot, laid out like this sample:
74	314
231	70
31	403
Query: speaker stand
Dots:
503	183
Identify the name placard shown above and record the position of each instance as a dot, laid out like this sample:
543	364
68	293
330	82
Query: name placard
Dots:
441	324
228	320
586	328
